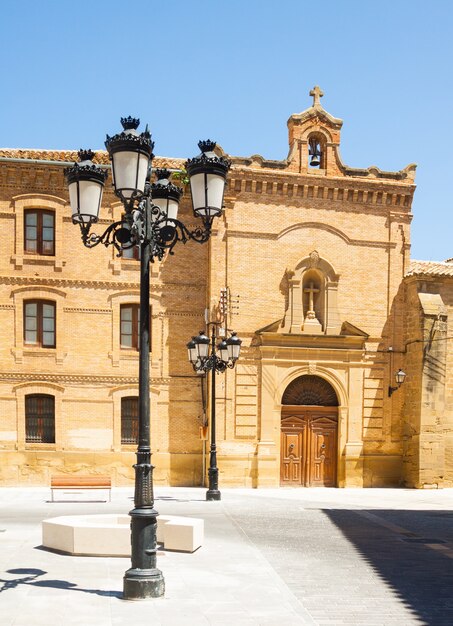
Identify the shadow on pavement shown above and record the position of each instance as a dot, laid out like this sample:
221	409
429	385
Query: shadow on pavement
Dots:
411	551
29	576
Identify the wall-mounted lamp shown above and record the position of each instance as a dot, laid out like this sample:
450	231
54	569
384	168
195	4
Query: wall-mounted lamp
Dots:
400	377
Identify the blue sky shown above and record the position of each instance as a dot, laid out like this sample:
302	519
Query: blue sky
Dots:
234	71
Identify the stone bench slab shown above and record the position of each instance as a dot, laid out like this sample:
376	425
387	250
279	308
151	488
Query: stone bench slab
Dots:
109	535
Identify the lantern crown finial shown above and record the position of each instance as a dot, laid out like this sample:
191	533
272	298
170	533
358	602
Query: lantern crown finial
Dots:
86	154
207	145
163	173
130	123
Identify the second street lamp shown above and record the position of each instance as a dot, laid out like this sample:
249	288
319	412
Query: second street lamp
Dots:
204	360
149	223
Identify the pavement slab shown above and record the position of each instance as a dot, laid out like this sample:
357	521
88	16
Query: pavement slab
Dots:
270	557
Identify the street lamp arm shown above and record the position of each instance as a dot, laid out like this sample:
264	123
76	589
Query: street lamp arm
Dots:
213	362
162	234
110	237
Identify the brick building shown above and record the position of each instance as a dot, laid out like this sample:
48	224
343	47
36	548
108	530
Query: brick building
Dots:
315	259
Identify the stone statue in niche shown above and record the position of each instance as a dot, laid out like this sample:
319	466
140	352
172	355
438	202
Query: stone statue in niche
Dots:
311	323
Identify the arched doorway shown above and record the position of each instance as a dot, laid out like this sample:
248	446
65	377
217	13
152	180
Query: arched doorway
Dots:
309	430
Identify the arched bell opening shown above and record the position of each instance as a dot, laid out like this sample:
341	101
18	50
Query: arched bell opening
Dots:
317	151
309	433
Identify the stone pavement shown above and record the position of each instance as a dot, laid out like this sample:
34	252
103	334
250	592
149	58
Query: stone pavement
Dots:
270	557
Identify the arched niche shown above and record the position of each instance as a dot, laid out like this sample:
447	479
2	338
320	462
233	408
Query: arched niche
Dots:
314	297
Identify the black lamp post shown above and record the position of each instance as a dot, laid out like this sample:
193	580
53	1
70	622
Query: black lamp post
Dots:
204	360
150	222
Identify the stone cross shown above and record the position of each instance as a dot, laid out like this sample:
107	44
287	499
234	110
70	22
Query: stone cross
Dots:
311	292
317	94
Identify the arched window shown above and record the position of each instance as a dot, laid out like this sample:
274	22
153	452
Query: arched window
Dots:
129	419
39	418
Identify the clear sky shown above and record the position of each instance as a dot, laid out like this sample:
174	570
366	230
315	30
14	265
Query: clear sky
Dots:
234	71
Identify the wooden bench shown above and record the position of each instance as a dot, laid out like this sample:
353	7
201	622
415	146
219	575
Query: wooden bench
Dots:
68	482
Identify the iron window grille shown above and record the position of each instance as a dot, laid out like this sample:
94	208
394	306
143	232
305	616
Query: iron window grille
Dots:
39	418
129	420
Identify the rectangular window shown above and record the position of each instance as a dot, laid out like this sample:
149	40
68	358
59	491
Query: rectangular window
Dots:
130	326
39	418
129	420
39	323
39	232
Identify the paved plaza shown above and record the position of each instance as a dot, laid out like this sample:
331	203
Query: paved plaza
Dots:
270	557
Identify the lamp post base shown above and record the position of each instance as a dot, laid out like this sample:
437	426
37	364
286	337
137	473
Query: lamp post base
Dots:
141	584
213	494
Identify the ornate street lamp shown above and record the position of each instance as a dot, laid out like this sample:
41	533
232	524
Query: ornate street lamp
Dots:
204	361
150	222
400	377
86	184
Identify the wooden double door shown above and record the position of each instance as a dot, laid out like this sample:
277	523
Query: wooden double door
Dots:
309	446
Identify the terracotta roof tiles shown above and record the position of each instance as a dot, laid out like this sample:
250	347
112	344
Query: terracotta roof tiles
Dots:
70	156
430	268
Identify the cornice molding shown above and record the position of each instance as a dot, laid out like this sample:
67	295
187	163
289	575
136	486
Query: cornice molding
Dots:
73	309
377	193
19	377
67	283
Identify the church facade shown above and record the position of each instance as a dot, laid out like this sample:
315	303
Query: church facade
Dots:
309	264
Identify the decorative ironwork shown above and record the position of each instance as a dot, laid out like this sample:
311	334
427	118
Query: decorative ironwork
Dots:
207	156
125	139
310	391
73	172
147	224
39	418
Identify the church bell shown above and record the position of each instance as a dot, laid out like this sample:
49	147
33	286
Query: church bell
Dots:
315	153
315	160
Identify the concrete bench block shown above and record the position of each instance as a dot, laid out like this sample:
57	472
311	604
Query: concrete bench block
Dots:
109	535
184	534
99	535
162	520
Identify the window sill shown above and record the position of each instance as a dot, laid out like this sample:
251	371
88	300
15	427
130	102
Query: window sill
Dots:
41	350
40	446
54	353
19	260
